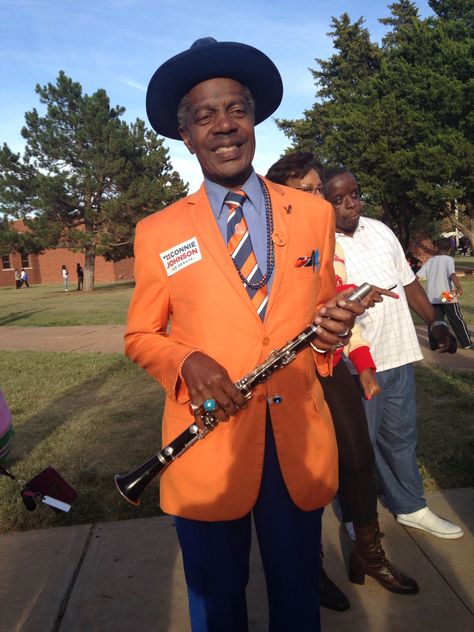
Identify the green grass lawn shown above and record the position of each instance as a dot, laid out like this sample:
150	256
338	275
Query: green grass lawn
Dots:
94	415
445	404
467	299
464	262
88	415
51	306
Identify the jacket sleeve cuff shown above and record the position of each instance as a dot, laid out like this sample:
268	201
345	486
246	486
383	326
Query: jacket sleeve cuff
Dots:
362	359
181	394
337	355
323	362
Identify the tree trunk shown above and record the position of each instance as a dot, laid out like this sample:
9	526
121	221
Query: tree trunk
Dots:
405	228
464	227
89	267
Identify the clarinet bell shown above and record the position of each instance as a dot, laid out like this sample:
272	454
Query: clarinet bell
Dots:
131	492
133	484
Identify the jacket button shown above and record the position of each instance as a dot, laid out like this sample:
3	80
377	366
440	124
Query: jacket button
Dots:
266	341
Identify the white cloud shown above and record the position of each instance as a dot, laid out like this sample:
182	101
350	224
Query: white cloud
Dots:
133	84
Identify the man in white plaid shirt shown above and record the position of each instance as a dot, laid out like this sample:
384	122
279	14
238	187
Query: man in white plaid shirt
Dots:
373	254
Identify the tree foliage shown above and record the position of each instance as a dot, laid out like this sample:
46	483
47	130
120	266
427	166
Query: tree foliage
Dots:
399	115
86	176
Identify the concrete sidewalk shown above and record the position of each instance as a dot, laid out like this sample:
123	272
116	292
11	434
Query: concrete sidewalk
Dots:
101	338
127	576
109	339
463	358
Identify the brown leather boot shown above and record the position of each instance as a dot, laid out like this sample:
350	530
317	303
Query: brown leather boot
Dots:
368	558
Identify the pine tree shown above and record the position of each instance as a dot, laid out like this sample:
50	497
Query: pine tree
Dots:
404	124
404	13
86	177
337	81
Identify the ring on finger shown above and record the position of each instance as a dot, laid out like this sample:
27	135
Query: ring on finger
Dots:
344	334
209	405
335	347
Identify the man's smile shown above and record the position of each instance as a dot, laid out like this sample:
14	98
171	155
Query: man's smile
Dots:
227	149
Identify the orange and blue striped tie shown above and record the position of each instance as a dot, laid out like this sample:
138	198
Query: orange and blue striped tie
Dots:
241	251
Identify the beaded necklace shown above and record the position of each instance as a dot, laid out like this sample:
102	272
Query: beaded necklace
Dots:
270	246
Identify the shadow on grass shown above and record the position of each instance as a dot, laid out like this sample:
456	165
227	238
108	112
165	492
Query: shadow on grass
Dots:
97	428
114	287
12	318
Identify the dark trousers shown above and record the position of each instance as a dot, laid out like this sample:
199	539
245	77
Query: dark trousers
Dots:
454	315
216	560
357	488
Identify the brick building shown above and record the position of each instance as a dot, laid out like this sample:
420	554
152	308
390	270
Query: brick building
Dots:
46	267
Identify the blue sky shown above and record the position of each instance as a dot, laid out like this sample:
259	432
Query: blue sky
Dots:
118	44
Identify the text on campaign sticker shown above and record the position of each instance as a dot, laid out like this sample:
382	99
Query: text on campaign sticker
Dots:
181	256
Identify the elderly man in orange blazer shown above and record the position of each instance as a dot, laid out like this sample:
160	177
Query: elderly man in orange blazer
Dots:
201	317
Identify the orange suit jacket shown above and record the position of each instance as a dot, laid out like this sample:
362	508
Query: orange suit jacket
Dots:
184	275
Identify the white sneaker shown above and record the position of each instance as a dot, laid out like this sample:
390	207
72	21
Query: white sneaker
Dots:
426	520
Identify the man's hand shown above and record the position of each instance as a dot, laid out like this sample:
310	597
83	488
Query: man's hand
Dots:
418	301
376	295
206	379
339	312
446	341
335	321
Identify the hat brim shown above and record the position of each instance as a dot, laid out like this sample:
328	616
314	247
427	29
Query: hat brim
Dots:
177	76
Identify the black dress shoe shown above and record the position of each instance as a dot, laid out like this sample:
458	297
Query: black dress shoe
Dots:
368	558
331	596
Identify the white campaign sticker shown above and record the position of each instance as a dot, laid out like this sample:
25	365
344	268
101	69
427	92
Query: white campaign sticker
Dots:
181	256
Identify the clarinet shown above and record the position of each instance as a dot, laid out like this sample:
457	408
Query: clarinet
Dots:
132	484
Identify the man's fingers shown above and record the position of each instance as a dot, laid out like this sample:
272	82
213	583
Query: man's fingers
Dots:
377	291
208	381
327	338
356	308
376	295
344	314
228	401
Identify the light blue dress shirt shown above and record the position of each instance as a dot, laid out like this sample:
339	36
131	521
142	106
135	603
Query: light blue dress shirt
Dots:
253	211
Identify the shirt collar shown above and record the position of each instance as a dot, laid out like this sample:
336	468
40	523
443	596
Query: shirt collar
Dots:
360	226
217	193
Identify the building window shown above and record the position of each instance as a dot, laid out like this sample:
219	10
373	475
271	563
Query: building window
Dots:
25	261
6	263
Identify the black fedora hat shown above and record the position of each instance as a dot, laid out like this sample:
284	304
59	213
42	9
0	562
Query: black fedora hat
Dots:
209	59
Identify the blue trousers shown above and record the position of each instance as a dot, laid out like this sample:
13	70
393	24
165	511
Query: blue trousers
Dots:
391	417
216	560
